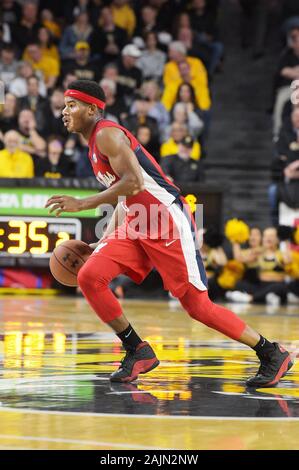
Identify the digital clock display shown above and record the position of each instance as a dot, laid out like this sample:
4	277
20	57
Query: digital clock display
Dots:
35	236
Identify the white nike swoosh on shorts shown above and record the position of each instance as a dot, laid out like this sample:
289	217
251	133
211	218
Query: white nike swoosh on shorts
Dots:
170	243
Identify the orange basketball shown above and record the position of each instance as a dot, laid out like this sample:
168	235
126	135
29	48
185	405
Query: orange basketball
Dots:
67	259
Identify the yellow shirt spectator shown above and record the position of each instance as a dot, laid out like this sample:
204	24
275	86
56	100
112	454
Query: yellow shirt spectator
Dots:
124	17
51	52
16	165
191	70
171	148
48	66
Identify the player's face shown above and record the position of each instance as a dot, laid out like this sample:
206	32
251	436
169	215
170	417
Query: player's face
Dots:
73	114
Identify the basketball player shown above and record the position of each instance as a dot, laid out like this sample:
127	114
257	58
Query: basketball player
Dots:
127	169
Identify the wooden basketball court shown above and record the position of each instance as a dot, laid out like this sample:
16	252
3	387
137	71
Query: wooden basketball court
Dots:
56	357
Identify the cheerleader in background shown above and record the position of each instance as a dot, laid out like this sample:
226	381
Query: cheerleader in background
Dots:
271	287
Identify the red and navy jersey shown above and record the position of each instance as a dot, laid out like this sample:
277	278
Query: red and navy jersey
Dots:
156	184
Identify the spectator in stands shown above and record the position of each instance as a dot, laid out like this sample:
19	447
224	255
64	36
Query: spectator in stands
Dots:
165	12
15	163
144	136
49	22
288	70
25	32
79	31
8	65
68	78
81	66
129	76
33	100
11	12
8	114
204	22
152	60
114	107
150	92
271	287
47	66
81	6
285	167
32	142
185	69
171	146
56	164
147	21
141	117
249	256
214	259
182	114
5	34
76	149
47	44
181	168
49	115
187	36
107	39
124	16
18	86
186	95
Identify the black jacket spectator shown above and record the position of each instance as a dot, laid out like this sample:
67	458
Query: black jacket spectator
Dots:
181	167
26	31
82	67
107	40
129	76
56	164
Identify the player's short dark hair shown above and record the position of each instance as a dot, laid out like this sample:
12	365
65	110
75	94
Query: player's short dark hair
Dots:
89	87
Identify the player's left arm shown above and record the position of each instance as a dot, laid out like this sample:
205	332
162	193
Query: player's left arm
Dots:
113	143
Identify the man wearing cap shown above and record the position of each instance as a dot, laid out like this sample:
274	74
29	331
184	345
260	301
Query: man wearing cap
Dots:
81	66
181	167
130	77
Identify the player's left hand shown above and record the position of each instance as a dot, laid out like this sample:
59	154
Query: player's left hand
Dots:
60	204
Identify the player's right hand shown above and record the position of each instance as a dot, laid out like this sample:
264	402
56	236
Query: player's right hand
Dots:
60	204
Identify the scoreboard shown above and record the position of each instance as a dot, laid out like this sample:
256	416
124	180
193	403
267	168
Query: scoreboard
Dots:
35	236
29	234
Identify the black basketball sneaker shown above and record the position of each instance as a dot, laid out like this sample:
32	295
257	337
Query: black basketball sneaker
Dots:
273	367
140	361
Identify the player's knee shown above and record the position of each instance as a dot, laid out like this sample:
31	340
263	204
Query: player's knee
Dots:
200	308
84	278
89	279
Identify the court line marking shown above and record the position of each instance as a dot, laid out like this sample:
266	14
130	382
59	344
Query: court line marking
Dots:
77	441
163	417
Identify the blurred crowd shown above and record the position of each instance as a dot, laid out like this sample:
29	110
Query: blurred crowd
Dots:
155	60
285	163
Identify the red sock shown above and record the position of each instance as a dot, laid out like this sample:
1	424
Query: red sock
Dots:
201	308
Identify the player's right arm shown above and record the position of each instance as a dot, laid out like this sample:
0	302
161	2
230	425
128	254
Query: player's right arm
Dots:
113	143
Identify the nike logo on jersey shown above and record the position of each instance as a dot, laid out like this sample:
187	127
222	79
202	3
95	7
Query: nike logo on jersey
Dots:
170	243
101	245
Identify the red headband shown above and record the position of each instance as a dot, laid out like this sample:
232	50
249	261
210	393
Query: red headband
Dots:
79	95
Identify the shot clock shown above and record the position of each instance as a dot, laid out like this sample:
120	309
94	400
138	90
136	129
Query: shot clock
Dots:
35	236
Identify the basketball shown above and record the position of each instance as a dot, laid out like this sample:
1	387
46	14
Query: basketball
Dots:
67	259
